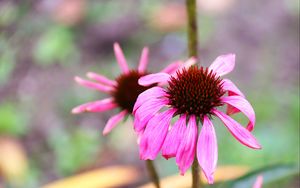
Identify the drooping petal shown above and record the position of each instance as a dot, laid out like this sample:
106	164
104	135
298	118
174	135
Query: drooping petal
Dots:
113	122
231	110
232	89
120	58
102	79
258	182
154	78
174	138
223	64
93	85
242	105
186	151
106	104
102	105
154	92
207	149
143	60
229	86
171	68
155	134
238	131
146	111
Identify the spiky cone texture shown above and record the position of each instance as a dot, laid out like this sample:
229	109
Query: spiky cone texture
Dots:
123	91
193	94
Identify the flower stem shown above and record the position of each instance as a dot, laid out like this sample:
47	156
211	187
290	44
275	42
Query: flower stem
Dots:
196	174
152	173
192	33
191	10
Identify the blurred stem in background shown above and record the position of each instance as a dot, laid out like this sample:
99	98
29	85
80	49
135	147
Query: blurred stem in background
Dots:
192	32
152	173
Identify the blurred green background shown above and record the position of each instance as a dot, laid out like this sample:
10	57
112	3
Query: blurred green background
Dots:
45	43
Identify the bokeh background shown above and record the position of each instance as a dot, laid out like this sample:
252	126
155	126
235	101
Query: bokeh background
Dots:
45	43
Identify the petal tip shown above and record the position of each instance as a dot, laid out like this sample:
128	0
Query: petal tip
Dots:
90	74
210	180
77	79
76	111
116	45
105	132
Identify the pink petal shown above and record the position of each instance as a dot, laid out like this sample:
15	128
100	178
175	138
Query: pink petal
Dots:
223	64
106	104
207	149
259	181
146	111
102	79
238	131
186	65
171	68
231	110
174	138
101	106
229	86
152	93
93	85
242	105
113	121
232	89
154	78
120	58
186	151
81	108
155	134
144	60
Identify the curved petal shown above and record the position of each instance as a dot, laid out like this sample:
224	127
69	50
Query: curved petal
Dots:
171	68
231	110
102	79
239	132
155	134
232	89
154	78
186	151
229	86
154	92
113	121
207	149
93	85
144	60
120	58
223	64
242	105
104	105
146	111
174	138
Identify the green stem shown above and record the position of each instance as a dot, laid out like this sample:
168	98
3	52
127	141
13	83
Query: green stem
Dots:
191	9
152	173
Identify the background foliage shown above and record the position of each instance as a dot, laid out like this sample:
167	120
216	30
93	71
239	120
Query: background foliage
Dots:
44	44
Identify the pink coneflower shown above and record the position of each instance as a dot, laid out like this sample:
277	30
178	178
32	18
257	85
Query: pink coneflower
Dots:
193	95
123	91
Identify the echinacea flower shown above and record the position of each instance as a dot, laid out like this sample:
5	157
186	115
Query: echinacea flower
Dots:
192	95
122	92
